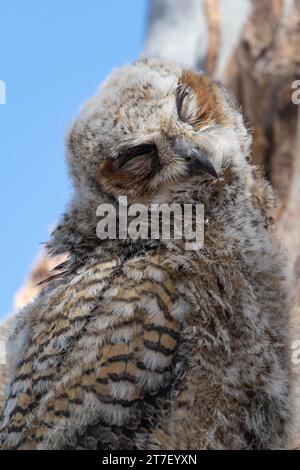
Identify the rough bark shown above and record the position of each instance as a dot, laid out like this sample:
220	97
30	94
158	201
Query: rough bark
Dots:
212	13
260	75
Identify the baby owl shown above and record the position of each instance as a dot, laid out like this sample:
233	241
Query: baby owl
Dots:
143	344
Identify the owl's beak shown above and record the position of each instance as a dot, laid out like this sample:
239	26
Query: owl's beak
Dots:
197	163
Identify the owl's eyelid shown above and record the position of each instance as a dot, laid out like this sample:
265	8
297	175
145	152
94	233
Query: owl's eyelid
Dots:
127	154
181	93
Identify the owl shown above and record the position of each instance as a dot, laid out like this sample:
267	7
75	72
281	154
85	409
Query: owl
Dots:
141	343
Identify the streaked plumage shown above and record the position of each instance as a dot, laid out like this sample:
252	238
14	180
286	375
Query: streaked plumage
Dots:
145	344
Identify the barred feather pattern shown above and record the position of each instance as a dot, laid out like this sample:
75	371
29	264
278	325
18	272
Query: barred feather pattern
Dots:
115	342
133	351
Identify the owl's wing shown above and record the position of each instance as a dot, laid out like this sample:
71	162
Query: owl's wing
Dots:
101	351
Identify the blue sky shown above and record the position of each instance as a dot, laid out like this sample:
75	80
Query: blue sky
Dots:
53	55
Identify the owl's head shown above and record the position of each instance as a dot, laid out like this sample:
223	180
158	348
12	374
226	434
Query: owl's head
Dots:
154	125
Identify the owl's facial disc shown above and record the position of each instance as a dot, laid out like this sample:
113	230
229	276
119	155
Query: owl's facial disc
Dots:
142	169
164	137
196	162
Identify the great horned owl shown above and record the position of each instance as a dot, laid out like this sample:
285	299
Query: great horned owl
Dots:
141	343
